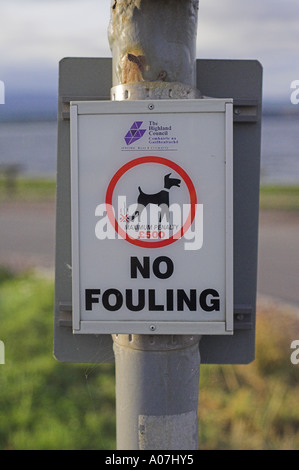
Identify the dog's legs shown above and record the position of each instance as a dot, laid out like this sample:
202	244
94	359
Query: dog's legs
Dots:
164	212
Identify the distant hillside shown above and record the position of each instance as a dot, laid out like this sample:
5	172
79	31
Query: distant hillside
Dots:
29	106
280	108
43	107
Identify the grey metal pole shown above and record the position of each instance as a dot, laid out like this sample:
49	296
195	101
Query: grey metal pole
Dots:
157	379
153	45
153	40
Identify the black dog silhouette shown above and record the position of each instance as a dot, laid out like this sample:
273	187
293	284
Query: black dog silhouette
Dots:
160	199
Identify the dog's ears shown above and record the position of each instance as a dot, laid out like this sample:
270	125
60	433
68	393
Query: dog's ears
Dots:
167	175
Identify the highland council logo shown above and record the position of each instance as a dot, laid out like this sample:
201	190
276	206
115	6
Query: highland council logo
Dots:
135	133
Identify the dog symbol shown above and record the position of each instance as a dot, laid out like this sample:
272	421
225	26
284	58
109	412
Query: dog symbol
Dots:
160	199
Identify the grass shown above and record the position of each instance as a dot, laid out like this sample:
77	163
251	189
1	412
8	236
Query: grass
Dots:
48	405
255	406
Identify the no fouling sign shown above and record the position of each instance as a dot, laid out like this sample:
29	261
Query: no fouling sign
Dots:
152	217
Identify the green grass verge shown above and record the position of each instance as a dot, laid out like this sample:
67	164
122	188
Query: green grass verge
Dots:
253	407
48	405
27	190
284	198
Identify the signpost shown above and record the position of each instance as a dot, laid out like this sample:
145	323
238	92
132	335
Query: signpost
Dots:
153	229
242	80
152	217
143	295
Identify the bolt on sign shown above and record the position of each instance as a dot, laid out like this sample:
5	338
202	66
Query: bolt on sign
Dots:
152	217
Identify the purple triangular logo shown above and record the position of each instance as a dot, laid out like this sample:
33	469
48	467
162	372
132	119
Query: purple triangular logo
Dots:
135	133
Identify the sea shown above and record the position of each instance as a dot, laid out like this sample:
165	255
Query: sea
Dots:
32	145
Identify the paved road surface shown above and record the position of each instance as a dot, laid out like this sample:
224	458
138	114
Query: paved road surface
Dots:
27	235
278	267
27	239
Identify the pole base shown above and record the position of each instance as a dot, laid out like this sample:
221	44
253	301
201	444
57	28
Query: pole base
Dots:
157	385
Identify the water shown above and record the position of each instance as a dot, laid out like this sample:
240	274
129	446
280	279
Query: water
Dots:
33	145
280	150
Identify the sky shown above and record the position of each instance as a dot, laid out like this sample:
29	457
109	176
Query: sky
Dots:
36	34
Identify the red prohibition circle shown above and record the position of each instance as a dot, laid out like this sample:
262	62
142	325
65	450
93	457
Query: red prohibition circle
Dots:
161	161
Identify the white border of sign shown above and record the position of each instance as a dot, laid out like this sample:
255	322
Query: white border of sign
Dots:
156	327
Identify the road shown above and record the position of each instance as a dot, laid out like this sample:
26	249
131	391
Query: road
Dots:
27	239
278	262
27	235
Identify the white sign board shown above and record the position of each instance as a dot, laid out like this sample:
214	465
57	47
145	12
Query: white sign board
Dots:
152	217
